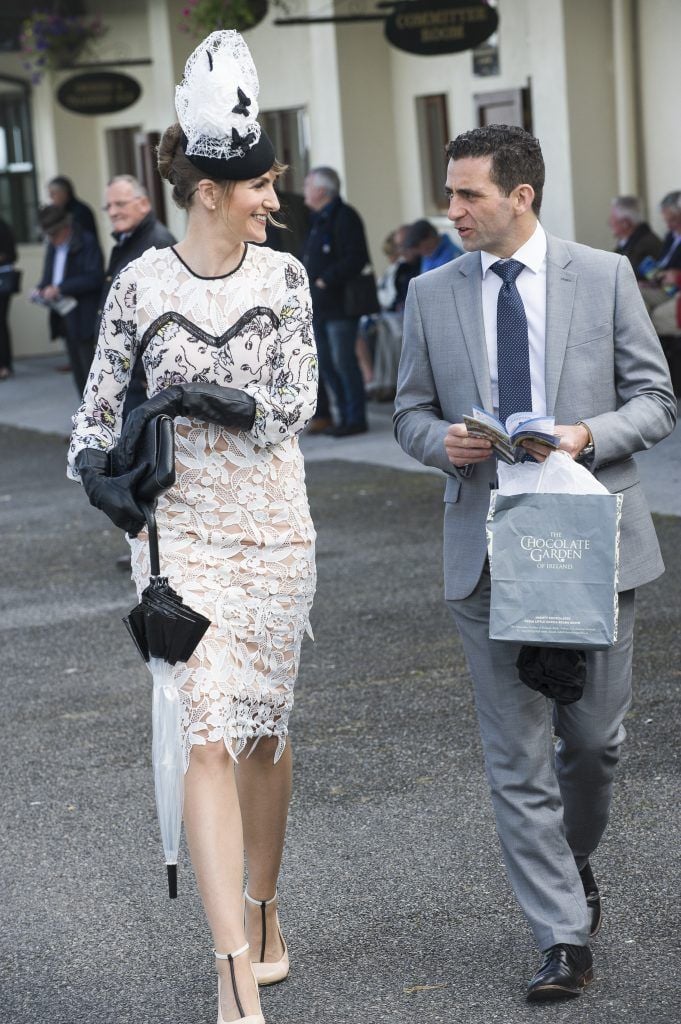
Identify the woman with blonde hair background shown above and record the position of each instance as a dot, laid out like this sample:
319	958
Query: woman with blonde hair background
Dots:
223	329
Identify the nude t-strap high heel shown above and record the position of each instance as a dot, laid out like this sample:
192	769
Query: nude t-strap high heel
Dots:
253	1018
268	973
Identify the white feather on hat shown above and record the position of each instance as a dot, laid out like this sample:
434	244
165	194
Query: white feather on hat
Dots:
216	102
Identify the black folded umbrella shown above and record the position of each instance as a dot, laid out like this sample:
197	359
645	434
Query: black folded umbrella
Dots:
556	672
162	626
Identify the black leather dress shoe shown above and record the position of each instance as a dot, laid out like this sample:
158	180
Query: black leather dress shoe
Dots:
593	899
564	971
319	424
347	430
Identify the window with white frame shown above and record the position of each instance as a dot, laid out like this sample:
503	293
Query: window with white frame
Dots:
289	133
433	135
18	191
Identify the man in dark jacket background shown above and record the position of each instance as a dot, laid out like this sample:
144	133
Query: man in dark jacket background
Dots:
634	237
135	229
335	252
73	271
63	194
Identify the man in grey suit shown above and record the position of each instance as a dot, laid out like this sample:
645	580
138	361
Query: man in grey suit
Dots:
525	317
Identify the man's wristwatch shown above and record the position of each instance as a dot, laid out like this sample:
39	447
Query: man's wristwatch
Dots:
587	452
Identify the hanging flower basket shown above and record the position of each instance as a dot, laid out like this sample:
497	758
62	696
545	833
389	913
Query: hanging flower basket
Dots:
52	41
201	17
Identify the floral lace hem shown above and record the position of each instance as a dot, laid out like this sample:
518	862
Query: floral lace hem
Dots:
237	723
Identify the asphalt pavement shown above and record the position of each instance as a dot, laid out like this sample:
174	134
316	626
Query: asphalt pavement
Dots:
393	897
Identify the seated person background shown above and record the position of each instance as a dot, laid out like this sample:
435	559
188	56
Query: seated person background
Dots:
666	316
434	249
635	238
662	285
379	343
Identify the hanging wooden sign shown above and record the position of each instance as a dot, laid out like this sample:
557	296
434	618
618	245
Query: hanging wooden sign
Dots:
98	92
440	26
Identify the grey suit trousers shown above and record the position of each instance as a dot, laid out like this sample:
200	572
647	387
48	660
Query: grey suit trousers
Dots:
551	803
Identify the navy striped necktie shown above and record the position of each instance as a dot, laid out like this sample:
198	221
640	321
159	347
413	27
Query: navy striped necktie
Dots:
513	348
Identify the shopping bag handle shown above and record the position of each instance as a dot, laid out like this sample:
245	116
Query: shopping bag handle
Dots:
540	478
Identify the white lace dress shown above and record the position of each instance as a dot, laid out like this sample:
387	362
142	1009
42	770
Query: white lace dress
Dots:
235	533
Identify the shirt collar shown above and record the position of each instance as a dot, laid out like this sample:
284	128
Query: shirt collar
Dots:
532	253
123	236
327	210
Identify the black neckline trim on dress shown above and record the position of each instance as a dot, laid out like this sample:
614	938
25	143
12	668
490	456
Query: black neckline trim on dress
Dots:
219	277
214	340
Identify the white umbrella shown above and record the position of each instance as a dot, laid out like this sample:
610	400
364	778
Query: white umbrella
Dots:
168	760
165	632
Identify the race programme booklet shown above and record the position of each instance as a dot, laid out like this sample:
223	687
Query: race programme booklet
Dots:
506	438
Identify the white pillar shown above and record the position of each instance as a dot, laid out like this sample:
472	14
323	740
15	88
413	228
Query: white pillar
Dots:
325	108
626	113
163	89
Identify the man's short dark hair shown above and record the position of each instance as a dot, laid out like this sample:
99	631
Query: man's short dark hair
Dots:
516	157
418	232
671	201
53	218
65	184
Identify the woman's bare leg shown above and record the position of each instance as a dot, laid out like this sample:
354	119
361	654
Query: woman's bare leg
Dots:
212	822
264	795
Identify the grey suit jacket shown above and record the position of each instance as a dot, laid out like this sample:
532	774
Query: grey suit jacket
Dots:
604	365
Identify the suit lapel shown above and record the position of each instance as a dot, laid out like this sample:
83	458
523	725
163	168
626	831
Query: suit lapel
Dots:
467	288
560	296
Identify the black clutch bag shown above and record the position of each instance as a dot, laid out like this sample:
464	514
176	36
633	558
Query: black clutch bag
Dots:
360	297
10	282
156	448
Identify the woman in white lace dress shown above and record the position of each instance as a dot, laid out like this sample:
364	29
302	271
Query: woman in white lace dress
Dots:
235	532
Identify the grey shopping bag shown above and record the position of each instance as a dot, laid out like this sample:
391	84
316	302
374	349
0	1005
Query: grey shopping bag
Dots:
554	566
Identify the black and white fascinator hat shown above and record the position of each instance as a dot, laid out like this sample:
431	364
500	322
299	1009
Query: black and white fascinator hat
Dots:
217	107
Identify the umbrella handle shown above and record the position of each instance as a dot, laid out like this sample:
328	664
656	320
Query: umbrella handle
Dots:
150	516
172	880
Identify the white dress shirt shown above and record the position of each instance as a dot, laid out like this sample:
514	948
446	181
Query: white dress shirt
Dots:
59	265
676	242
531	285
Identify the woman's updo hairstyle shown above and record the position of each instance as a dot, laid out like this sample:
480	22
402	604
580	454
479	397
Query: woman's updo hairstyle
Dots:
178	170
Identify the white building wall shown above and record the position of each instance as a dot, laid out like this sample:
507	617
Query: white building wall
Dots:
360	96
546	58
592	121
531	47
659	32
371	179
75	145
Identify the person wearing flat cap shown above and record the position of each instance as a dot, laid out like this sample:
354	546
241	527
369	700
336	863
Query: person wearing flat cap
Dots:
223	326
72	269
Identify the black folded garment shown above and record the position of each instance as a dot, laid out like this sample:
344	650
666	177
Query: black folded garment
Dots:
554	671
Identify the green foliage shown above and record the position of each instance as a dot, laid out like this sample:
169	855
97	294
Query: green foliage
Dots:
201	17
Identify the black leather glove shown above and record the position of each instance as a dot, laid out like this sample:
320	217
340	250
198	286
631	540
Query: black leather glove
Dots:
228	407
114	495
